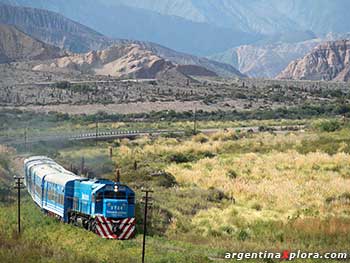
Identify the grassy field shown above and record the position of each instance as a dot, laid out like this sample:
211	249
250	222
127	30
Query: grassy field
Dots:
225	192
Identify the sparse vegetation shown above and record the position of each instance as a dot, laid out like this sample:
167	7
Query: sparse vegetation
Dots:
227	191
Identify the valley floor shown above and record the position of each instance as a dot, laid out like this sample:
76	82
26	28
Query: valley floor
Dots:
230	191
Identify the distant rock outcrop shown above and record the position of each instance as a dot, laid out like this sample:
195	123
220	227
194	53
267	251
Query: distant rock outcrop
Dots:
18	46
328	61
122	60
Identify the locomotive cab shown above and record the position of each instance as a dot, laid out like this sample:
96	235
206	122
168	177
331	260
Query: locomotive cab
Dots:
115	201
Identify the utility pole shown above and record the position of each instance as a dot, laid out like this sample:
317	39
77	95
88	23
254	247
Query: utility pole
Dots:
96	132
19	185
146	200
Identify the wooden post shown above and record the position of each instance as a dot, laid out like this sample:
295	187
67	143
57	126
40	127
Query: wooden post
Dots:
145	201
19	186
110	152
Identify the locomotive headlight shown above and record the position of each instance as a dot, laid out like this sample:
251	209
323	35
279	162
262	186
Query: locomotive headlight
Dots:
116	188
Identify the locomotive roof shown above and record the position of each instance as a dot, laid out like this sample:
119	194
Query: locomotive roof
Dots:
98	184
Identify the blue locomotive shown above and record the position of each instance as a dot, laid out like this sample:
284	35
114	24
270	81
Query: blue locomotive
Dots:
102	206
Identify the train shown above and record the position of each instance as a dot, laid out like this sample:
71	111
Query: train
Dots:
104	207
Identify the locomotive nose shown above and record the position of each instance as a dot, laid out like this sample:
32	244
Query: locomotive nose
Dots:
116	208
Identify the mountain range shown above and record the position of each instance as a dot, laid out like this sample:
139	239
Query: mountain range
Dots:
201	27
262	16
122	21
258	37
62	32
268	60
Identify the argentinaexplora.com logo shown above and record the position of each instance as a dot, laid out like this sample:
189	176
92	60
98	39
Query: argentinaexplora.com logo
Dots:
287	255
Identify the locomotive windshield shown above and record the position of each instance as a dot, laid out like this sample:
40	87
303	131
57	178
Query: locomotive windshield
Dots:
110	195
114	195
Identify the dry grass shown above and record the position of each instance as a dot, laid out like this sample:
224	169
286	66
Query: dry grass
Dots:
277	180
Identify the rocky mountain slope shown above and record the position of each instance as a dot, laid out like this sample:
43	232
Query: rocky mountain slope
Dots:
328	61
53	28
268	60
122	60
221	69
17	46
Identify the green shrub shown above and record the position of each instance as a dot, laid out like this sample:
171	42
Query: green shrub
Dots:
216	195
164	179
181	158
329	126
63	85
243	235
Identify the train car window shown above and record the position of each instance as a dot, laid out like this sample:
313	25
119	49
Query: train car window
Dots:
60	200
50	193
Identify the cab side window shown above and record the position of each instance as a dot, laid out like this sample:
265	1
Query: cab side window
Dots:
99	197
